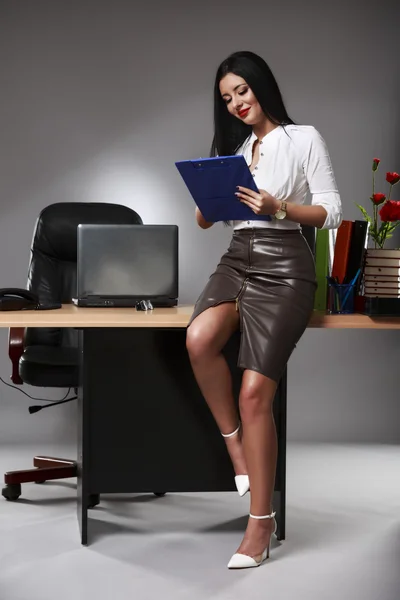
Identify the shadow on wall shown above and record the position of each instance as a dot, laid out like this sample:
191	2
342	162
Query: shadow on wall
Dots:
74	91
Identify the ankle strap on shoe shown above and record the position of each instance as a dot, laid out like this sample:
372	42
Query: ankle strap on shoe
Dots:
228	435
271	516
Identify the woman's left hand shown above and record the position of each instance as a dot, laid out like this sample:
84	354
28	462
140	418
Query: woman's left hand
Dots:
261	204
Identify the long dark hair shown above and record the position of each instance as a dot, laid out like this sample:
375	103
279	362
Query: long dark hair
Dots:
229	131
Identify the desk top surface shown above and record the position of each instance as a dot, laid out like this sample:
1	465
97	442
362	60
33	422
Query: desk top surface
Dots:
72	316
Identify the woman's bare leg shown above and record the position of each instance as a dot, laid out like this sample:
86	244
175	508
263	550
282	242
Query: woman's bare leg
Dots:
206	337
260	449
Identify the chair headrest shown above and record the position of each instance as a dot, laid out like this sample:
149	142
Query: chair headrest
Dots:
55	232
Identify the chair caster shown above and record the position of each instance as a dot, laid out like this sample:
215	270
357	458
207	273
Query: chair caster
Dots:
94	500
159	494
11	491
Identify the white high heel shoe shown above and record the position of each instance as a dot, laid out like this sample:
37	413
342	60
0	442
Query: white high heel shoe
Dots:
242	561
242	481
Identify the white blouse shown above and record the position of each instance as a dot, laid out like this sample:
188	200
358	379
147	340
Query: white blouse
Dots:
293	160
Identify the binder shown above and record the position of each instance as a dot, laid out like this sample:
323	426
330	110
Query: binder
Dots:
356	252
342	251
321	269
332	242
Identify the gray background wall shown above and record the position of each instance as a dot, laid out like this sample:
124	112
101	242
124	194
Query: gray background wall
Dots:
99	98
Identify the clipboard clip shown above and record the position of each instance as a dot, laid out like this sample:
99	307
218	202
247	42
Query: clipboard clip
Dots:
205	164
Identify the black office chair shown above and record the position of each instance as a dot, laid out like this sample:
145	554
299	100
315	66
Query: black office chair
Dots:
48	357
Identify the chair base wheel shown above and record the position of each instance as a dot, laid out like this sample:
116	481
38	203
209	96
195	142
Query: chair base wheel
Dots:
159	494
11	491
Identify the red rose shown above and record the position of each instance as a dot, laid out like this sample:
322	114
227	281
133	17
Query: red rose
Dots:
390	211
378	198
392	178
375	163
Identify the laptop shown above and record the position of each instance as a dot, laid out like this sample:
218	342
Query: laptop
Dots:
127	266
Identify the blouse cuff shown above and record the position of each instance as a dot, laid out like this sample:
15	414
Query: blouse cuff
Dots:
332	204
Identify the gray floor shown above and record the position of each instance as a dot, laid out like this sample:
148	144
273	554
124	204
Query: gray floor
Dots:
343	537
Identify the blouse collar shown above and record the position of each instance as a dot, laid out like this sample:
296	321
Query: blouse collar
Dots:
253	136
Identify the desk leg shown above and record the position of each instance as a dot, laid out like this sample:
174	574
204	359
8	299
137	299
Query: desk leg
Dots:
83	453
280	493
82	512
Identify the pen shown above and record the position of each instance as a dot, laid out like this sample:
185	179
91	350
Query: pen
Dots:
351	286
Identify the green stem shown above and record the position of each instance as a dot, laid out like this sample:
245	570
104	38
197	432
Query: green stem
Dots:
384	233
386	226
375	224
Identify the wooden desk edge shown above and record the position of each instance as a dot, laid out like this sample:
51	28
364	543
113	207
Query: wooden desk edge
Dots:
71	316
323	320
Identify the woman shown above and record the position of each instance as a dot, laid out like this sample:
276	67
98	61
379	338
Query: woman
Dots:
265	282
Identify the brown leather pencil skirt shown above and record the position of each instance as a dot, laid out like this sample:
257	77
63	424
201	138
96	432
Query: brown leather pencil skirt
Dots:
270	275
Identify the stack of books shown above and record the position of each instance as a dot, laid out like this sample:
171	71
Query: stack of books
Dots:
382	274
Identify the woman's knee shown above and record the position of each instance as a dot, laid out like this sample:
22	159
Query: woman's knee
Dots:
209	331
256	396
198	343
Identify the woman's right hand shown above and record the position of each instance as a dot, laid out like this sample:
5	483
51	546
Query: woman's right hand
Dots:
201	220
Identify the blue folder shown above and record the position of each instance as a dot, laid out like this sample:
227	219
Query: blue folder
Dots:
212	183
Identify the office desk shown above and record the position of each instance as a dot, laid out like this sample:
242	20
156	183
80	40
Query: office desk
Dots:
72	316
143	424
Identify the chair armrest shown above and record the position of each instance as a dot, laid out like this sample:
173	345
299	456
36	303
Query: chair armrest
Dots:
15	350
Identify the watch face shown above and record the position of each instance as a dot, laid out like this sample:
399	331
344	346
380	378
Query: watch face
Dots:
280	214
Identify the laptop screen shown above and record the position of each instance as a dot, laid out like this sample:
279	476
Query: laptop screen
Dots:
139	261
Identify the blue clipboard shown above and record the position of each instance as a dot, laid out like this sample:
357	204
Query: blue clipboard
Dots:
212	183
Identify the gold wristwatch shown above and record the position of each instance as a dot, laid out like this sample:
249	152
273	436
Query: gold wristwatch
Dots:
281	212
